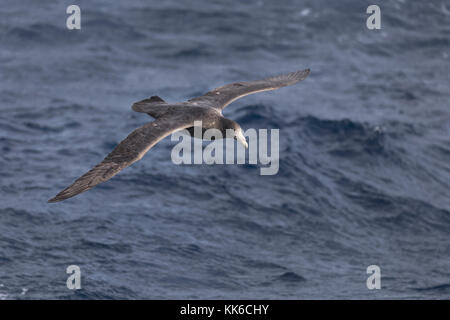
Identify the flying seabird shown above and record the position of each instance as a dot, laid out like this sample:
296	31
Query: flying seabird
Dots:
171	117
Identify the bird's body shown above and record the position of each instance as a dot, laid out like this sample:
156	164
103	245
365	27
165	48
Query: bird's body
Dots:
171	117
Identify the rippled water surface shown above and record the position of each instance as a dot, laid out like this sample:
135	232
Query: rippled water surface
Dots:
364	151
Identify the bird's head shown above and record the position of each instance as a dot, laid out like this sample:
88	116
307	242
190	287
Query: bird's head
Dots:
238	132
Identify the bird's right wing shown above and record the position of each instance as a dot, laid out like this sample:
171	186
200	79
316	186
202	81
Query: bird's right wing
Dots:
130	150
223	96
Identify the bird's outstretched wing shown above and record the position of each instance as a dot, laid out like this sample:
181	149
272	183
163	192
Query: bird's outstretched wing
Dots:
130	150
221	97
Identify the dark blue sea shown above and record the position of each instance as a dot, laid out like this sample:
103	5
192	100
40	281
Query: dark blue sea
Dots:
364	172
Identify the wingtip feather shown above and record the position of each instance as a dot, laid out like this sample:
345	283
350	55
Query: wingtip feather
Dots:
302	74
59	197
55	199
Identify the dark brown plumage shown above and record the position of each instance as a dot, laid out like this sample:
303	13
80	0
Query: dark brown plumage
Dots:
173	117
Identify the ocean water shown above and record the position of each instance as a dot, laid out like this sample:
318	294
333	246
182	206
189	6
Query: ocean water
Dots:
364	151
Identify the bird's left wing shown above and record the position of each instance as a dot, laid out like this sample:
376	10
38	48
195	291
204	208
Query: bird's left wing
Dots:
130	150
220	97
